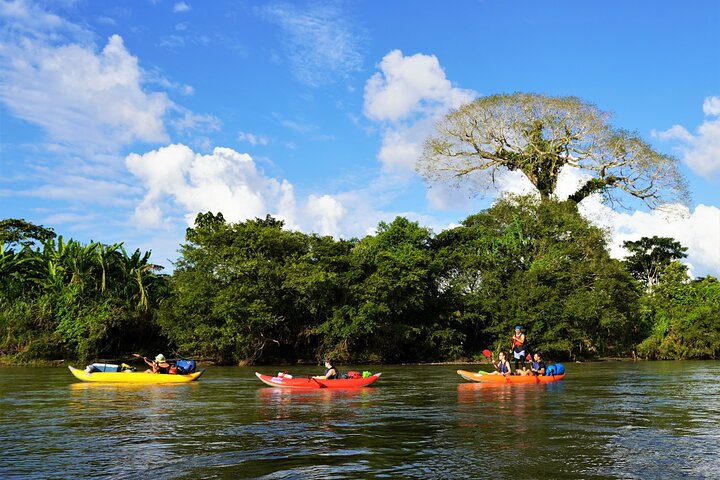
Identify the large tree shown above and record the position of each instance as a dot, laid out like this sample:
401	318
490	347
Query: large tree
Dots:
540	135
649	257
544	266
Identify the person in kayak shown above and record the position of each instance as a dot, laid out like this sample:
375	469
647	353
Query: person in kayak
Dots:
502	365
159	365
537	366
518	348
331	373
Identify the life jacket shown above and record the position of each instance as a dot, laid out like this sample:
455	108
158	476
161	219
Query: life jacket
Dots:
518	343
502	368
536	366
333	377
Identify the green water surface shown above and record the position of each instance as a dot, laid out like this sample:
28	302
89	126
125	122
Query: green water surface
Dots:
605	420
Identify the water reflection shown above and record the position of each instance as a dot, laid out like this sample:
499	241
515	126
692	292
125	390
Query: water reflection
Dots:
331	406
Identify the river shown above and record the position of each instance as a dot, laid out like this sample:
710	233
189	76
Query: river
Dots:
605	420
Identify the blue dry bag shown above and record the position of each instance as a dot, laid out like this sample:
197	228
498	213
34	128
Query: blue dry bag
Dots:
557	369
185	366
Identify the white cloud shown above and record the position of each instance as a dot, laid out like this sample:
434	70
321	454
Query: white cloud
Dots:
176	178
321	45
326	213
91	100
407	96
698	230
700	151
252	138
711	106
196	122
401	146
407	85
27	18
181	7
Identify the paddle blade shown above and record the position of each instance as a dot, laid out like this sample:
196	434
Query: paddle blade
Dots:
528	358
487	353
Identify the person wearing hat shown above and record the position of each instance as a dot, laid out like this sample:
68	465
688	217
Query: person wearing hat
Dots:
331	373
518	348
159	365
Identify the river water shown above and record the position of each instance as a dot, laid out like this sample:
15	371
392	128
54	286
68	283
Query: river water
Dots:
605	420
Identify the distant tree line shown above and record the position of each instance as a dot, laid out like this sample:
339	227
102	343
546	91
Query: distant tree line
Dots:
252	292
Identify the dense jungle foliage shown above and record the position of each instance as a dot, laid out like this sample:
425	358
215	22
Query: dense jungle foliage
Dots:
252	292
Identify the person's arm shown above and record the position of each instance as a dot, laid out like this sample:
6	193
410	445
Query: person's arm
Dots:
329	374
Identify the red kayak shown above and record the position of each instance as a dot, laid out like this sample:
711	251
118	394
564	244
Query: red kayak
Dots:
287	381
485	377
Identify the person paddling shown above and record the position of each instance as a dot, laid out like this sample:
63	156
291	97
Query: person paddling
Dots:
537	366
159	365
331	373
502	365
518	348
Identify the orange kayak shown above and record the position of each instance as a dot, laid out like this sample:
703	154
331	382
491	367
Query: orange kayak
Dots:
305	382
488	378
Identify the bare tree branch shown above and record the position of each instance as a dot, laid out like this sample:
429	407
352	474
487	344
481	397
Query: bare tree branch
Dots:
539	136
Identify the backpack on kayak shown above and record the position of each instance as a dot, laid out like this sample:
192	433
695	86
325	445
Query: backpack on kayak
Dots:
557	369
102	367
185	366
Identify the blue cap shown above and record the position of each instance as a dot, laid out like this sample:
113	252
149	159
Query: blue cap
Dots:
518	327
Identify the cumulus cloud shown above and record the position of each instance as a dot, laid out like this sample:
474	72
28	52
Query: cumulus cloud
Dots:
176	179
326	212
181	7
407	85
700	151
407	95
697	229
321	45
87	99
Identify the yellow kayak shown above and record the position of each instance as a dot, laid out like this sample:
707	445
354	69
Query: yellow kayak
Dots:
133	377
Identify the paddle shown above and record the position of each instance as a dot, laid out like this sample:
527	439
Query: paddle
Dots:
488	355
137	355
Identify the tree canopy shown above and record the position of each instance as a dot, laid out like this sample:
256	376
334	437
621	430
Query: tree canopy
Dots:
21	232
254	292
541	135
649	257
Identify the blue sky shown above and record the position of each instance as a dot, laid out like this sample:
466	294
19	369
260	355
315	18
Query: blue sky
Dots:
121	120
